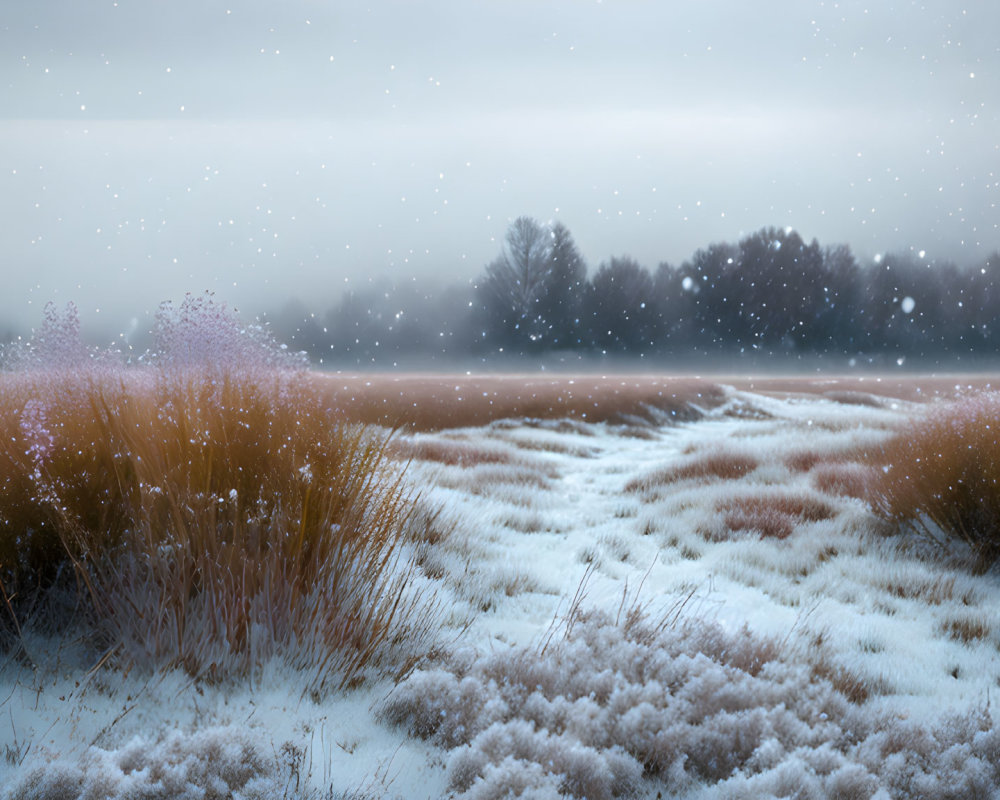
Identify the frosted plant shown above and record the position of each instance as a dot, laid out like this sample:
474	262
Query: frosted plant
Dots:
212	763
55	345
204	333
622	705
35	429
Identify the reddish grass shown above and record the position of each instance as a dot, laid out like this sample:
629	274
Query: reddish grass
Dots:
803	460
452	453
427	403
768	522
861	389
774	516
849	479
941	476
718	464
807	459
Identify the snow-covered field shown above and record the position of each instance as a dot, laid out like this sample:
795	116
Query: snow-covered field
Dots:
704	609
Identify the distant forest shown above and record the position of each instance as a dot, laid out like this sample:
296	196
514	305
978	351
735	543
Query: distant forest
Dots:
770	294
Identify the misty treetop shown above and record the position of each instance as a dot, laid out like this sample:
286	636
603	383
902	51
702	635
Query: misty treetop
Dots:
531	294
770	293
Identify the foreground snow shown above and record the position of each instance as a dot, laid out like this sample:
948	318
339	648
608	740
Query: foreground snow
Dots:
833	633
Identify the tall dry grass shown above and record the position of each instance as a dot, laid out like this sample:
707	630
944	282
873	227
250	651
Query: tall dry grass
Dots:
939	477
427	402
209	519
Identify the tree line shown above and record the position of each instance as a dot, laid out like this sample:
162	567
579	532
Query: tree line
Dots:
771	293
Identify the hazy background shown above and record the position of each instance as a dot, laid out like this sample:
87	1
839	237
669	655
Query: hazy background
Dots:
270	149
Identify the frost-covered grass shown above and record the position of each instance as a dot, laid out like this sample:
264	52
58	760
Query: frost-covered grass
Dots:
619	618
612	705
873	659
207	519
211	763
940	476
718	464
773	514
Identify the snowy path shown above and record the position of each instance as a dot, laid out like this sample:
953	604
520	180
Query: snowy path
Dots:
587	519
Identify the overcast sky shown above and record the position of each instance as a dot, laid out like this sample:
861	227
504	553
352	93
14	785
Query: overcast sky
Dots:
270	148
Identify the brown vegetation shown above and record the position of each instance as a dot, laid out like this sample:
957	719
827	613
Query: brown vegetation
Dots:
717	464
967	629
426	403
773	515
212	519
452	453
848	479
940	477
867	387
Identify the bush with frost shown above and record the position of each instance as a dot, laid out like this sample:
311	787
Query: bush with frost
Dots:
615	705
202	332
56	344
611	700
211	764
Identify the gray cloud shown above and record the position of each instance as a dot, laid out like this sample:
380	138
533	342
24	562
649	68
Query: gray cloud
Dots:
265	149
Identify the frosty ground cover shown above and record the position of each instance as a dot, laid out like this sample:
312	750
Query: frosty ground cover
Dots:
698	609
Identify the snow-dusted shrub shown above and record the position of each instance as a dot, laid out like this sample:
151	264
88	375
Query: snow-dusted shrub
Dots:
481	768
55	345
204	333
625	696
612	706
941	476
211	764
511	778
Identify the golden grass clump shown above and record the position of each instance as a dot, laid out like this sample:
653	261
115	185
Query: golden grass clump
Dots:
211	518
939	477
717	464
